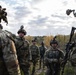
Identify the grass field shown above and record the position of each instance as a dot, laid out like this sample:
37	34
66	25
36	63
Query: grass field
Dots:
69	70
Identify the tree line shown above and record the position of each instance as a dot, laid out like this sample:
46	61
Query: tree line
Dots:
62	40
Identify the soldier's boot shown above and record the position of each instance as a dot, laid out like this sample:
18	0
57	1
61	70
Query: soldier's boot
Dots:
40	64
43	64
33	71
25	70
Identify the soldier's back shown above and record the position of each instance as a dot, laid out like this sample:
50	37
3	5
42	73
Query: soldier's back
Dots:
9	55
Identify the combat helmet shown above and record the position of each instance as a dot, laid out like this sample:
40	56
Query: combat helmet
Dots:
33	40
42	43
54	41
21	30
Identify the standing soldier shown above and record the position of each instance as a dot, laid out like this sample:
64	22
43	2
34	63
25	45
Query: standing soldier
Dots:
35	55
22	47
42	49
53	58
8	59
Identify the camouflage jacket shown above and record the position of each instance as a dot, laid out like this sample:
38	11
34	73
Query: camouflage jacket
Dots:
22	47
53	55
9	54
42	50
34	50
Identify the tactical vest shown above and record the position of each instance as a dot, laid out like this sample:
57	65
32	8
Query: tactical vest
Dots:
22	47
54	54
34	50
42	50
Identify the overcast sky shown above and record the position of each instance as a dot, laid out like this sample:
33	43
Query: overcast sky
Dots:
39	17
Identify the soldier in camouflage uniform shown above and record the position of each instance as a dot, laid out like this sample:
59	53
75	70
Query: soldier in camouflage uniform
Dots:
42	50
8	58
22	47
35	55
53	58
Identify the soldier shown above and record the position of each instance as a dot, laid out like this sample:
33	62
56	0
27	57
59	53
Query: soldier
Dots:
22	47
42	50
53	58
8	58
35	55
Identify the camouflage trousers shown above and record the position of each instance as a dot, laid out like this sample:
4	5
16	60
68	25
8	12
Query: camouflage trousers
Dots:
50	72
53	69
25	69
3	69
34	66
41	62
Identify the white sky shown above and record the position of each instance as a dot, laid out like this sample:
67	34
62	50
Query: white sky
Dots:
39	17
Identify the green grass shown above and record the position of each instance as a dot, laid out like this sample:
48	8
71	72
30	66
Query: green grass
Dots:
69	70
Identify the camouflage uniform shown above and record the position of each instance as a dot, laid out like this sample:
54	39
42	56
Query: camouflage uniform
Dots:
53	57
35	55
22	47
42	50
8	58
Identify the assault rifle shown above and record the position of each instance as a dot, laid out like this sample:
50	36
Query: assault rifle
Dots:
69	46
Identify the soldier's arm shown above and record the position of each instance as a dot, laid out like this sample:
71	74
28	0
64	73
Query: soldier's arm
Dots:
16	41
29	51
46	59
61	56
30	54
38	51
45	49
46	56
